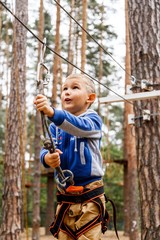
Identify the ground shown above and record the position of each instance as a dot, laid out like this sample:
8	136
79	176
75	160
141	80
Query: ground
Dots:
109	235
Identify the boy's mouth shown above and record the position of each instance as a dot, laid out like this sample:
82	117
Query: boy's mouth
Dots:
67	100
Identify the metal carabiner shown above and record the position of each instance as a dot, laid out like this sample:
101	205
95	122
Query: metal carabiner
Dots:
63	177
40	70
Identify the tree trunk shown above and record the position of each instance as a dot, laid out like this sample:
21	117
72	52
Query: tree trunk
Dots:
126	193
144	17
100	64
130	170
70	40
1	73
56	61
0	24
36	180
84	37
12	189
50	201
37	148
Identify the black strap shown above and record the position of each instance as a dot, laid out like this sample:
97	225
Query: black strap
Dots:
57	223
85	196
76	234
105	221
114	214
98	219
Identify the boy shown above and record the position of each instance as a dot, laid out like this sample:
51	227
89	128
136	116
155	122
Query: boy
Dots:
77	133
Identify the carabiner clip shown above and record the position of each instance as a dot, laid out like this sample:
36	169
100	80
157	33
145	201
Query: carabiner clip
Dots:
63	177
41	67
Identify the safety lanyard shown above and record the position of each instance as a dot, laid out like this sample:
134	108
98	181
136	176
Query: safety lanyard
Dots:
63	177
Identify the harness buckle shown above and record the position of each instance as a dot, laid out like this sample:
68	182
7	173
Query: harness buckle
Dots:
75	189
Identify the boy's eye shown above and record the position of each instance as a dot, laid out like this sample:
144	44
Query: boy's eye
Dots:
75	87
65	88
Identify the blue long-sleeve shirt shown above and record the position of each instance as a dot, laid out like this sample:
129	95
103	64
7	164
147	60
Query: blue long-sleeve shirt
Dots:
78	137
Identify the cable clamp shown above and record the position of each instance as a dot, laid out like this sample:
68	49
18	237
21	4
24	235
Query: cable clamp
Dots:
146	115
146	85
131	119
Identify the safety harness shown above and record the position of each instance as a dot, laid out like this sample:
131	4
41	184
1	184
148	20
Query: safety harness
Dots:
88	195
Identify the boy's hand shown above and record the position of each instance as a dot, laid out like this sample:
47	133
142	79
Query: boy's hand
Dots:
53	159
42	104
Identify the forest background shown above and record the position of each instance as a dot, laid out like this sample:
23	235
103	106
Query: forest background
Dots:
27	190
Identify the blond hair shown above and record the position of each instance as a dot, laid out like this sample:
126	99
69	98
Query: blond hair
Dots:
89	83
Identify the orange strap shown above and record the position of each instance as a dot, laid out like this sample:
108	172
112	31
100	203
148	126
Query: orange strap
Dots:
75	189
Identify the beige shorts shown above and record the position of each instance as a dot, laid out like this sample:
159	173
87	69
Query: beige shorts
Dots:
80	214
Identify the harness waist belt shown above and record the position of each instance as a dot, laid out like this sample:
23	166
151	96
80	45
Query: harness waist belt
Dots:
82	197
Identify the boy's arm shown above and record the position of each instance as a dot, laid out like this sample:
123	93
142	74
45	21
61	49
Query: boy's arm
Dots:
88	125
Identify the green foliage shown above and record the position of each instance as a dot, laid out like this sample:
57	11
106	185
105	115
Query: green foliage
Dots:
114	144
7	28
113	178
30	135
113	181
116	119
102	34
114	152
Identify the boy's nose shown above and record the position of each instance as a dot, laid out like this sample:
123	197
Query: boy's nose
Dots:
67	92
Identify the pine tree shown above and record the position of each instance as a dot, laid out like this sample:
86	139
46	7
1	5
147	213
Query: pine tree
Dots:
14	145
145	56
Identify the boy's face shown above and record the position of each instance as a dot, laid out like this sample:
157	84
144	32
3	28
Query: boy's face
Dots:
74	96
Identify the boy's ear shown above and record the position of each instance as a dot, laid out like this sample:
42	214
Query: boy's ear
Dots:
91	98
